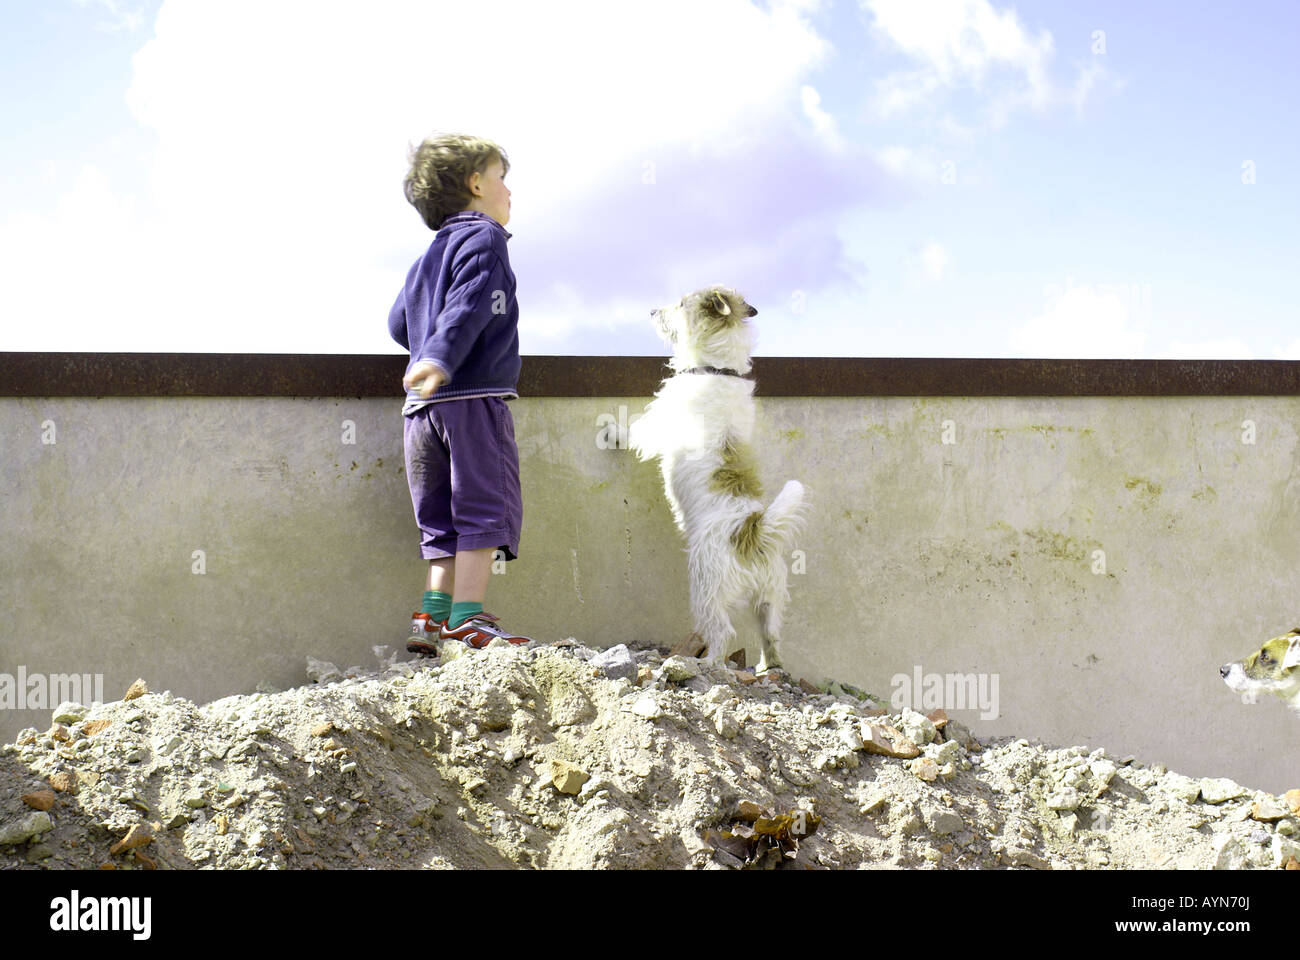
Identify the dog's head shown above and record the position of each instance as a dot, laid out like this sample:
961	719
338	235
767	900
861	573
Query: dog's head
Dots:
709	327
1273	668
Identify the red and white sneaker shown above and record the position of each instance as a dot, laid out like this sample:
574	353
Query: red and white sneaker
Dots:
478	631
424	634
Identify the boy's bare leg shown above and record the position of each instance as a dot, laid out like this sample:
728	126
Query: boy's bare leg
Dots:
442	575
472	570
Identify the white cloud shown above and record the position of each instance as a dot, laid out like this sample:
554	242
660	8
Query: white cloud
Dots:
121	16
968	43
924	265
934	258
1085	323
274	211
822	121
908	163
927	166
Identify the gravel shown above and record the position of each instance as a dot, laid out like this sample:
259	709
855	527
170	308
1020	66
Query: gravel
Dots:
564	755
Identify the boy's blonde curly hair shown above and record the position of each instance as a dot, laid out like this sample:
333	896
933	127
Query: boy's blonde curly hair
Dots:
437	184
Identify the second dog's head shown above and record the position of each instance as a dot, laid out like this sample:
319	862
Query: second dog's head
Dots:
708	328
1273	668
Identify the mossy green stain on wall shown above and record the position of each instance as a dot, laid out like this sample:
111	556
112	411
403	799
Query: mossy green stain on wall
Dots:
1061	546
1147	489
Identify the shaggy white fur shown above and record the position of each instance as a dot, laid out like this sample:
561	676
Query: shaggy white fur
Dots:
699	426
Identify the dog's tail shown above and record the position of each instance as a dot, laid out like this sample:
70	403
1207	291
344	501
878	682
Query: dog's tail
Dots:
771	531
785	517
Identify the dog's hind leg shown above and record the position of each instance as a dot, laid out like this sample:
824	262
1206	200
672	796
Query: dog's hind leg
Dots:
717	632
770	605
712	593
712	623
769	624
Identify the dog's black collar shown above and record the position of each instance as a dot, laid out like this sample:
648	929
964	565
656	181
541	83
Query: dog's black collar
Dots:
725	371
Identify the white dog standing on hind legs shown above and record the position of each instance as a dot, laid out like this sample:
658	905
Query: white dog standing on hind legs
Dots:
699	426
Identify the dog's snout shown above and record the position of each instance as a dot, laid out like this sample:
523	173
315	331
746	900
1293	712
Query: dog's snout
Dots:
752	312
654	313
1225	670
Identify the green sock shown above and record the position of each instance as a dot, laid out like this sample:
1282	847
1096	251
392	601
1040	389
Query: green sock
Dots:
436	604
460	612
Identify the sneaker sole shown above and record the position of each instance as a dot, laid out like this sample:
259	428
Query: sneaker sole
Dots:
482	646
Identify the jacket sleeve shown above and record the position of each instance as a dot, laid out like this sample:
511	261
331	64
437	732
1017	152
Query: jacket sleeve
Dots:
478	289
397	320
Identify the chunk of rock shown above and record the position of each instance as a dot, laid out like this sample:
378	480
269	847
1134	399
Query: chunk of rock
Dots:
1103	772
724	723
18	831
452	650
1284	850
1066	798
1228	852
1220	790
1020	857
39	799
567	777
680	669
646	707
944	822
925	769
1268	810
918	727
137	836
886	741
322	671
69	712
92	727
616	662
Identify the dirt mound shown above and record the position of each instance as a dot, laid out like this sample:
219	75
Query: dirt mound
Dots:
565	756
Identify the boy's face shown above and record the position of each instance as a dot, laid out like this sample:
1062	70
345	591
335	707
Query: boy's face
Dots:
491	195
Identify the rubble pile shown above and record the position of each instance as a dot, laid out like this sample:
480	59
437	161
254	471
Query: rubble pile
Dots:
562	755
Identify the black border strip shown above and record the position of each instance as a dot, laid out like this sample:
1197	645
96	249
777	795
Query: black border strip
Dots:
379	375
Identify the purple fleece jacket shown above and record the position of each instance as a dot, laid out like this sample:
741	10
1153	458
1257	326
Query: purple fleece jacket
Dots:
458	309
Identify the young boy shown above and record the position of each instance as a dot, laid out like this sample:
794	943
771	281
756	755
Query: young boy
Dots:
458	316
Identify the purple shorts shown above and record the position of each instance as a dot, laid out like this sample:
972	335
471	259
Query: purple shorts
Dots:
463	470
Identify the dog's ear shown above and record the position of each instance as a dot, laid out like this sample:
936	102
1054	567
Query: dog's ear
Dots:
718	306
1292	656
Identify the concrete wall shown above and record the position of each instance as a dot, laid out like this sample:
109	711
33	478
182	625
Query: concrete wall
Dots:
980	556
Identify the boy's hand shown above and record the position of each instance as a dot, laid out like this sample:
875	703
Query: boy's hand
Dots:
424	378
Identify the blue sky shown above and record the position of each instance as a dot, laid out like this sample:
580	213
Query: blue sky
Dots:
880	178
